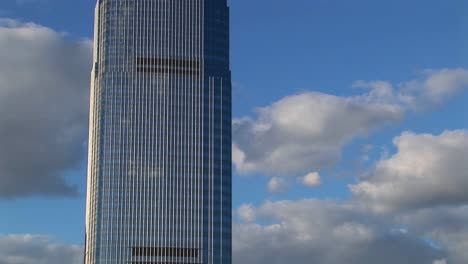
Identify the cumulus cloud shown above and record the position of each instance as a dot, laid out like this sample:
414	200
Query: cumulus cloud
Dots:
305	131
44	80
36	249
278	185
433	88
246	212
411	208
455	242
427	171
446	226
311	179
325	232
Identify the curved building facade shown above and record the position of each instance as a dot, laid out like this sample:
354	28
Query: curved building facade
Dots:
159	167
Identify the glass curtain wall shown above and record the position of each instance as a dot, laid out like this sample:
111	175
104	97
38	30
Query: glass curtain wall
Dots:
159	168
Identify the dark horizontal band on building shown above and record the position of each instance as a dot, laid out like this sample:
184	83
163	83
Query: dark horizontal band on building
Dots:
168	62
164	252
153	262
167	71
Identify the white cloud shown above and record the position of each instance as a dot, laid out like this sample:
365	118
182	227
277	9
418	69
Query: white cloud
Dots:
446	226
306	131
311	180
435	88
278	185
426	171
455	242
36	249
411	208
329	232
324	232
379	91
246	212
44	83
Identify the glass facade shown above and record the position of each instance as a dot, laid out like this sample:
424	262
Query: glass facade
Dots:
159	168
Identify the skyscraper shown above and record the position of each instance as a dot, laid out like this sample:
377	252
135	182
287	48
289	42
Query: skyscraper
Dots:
159	167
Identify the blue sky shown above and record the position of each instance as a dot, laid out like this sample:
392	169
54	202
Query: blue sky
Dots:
305	50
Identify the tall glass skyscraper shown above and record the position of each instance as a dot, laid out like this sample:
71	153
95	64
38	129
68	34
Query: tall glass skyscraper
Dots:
159	169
